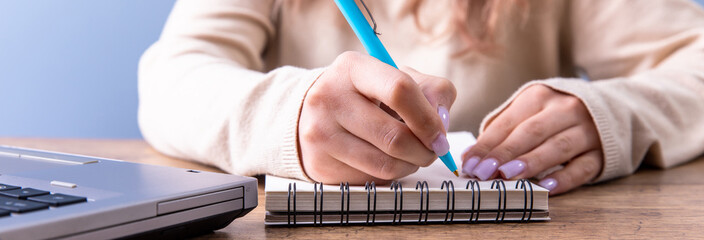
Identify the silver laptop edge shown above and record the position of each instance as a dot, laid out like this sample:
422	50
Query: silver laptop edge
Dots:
123	199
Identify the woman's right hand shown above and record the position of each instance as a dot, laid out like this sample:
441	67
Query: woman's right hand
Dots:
345	135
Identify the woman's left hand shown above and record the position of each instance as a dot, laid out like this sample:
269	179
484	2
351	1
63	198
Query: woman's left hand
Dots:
539	130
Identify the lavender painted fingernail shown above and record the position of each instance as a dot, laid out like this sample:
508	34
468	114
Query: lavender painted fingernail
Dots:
548	183
512	168
469	165
486	168
440	145
445	116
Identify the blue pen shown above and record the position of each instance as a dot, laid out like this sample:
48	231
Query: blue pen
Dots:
373	45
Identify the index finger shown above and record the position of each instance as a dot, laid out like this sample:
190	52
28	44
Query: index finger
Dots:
523	107
380	81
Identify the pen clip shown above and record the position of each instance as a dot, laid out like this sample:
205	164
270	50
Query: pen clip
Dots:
370	17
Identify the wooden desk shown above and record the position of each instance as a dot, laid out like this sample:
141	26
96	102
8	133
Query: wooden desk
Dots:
651	204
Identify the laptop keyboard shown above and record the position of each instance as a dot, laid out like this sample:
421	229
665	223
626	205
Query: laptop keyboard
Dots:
15	199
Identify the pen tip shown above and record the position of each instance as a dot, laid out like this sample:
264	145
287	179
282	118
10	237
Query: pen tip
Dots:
456	174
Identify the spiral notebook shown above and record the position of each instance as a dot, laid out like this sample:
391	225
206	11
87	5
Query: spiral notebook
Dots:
431	195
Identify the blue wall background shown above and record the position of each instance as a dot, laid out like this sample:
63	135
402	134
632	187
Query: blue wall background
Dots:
69	68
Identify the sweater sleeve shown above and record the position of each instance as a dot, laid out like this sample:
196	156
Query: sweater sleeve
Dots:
646	97
204	95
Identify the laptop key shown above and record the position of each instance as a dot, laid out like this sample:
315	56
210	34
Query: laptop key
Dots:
20	206
5	187
57	199
23	193
4	213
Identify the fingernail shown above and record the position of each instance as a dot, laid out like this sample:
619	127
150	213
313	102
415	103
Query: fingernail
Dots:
485	169
469	165
548	183
512	168
440	145
445	116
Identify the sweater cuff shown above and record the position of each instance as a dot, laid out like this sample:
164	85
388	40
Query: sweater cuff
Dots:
290	164
613	165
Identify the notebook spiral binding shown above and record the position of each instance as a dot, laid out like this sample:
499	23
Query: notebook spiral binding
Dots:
427	200
396	186
449	185
500	211
424	191
523	182
369	187
315	203
479	200
343	188
288	210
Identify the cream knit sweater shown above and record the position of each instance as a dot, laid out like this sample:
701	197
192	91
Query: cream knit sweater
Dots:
225	82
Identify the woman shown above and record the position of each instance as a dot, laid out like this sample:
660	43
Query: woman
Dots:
257	87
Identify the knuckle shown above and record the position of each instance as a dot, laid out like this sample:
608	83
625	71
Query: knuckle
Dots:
317	97
388	168
450	89
410	171
392	139
539	91
536	159
564	144
567	181
347	56
535	129
429	122
572	103
590	169
534	164
507	151
428	161
316	169
504	122
479	149
443	88
313	134
583	173
345	61
398	88
445	97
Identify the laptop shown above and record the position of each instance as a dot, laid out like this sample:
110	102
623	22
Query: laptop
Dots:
55	195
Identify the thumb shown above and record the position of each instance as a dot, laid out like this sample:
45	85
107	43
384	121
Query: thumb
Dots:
439	92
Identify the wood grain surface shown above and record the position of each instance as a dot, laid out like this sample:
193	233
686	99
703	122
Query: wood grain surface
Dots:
651	204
